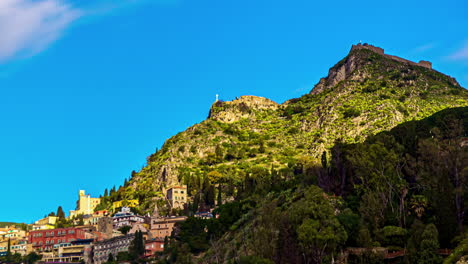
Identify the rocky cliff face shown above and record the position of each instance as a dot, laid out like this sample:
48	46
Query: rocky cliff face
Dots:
341	71
243	107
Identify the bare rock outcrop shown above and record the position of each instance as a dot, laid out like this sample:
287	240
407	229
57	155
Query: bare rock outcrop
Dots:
243	107
341	71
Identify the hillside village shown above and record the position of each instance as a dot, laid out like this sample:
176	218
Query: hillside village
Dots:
94	236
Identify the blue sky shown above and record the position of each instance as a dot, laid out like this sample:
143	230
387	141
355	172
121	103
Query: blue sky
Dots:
88	91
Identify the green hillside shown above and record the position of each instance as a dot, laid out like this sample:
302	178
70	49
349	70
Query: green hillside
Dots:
305	179
398	184
378	95
5	224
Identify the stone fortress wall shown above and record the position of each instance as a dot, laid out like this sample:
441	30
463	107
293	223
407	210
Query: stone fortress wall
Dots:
422	63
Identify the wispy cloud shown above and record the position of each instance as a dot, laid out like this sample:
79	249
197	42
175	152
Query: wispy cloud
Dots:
425	47
461	54
28	27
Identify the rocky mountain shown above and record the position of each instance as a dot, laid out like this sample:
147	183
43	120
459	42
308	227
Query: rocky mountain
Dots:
365	93
251	149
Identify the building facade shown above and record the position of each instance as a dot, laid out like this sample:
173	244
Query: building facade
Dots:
44	240
153	246
75	251
112	246
126	218
45	223
85	204
105	226
162	227
20	247
177	196
11	233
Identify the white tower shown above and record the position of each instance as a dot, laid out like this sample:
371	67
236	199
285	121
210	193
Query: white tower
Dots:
217	95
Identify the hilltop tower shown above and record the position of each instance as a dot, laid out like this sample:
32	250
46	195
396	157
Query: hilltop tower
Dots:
85	204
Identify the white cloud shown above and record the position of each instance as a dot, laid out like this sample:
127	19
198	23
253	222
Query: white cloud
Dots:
29	26
461	54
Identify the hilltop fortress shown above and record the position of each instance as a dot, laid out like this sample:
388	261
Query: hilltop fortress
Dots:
426	64
346	67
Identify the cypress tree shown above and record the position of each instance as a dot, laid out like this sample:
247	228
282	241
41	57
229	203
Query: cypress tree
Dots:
60	213
324	160
196	203
137	248
9	247
220	198
210	196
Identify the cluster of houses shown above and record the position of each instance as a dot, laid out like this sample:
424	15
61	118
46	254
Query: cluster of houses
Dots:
98	237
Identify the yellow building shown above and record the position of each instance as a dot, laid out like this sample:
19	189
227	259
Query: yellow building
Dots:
177	196
3	246
85	204
45	223
126	203
12	233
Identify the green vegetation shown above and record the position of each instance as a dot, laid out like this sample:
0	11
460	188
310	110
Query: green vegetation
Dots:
375	160
62	221
124	229
31	258
460	251
5	224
